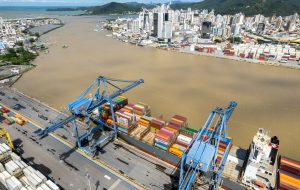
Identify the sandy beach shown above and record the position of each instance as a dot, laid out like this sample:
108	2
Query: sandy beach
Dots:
175	83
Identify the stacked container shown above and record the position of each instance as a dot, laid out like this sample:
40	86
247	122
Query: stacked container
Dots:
183	140
120	102
5	152
142	128
141	109
156	125
17	175
126	121
164	138
144	123
221	150
289	174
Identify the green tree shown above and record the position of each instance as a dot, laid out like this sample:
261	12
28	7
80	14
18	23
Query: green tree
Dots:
235	40
31	40
19	43
217	40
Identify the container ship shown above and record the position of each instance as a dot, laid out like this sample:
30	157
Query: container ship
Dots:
164	140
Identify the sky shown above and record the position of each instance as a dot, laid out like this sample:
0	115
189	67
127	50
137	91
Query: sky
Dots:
72	2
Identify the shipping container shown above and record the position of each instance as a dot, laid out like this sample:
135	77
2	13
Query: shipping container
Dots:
289	165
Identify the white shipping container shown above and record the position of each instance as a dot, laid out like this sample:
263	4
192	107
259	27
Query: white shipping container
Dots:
41	176
3	150
16	181
52	185
31	169
2	179
45	187
184	138
9	167
19	164
6	174
24	164
1	168
26	172
12	167
39	180
32	182
14	156
5	147
24	180
11	185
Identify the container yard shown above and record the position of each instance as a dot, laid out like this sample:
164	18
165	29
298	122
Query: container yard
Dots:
263	52
202	158
17	175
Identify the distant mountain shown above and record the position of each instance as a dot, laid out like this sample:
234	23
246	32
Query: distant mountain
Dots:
118	8
249	7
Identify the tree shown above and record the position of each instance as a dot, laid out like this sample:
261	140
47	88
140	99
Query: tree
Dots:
19	43
235	40
217	40
37	34
31	40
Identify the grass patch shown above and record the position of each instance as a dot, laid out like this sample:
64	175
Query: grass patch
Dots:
18	57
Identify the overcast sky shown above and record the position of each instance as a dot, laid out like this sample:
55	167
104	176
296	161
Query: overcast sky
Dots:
72	2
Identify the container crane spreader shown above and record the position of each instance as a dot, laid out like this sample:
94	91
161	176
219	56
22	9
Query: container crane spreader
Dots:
103	90
208	151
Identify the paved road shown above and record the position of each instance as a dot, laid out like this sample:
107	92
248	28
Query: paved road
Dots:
152	173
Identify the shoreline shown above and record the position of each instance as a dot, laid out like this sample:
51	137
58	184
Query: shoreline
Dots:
14	78
239	59
234	58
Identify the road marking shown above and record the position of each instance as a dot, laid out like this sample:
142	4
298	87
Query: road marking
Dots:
114	185
100	163
107	177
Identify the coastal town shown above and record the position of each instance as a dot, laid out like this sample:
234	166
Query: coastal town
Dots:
19	45
184	103
271	40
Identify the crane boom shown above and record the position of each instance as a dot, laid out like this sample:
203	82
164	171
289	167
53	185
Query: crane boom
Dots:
103	90
208	151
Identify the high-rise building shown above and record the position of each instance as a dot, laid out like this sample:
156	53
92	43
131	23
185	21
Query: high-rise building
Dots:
260	28
236	29
206	29
162	22
278	22
291	25
146	22
155	24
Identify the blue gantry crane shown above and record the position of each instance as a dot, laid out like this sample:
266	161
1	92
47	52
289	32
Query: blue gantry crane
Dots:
208	151
103	90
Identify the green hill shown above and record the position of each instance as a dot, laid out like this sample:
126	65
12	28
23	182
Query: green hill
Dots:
117	8
249	7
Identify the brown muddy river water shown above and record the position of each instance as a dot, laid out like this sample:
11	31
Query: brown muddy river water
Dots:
175	83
